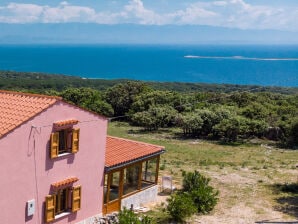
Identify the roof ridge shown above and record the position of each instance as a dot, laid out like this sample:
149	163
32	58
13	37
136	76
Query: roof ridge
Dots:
144	143
30	94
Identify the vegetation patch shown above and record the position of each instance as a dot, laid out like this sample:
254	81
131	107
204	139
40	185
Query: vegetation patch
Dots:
237	171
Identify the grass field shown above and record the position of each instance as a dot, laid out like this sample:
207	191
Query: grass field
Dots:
257	182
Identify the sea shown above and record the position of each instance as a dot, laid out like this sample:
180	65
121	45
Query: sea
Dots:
264	65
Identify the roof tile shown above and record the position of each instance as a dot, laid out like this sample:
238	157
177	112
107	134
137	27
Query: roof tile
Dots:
65	123
121	151
65	182
16	108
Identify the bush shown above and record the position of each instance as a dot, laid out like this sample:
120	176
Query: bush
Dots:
196	196
127	216
203	195
181	206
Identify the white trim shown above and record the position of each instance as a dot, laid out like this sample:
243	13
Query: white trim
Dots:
64	154
62	215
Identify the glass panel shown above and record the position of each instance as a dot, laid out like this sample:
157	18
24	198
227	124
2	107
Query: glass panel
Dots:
65	140
69	139
114	186
131	179
61	201
57	204
149	172
62	146
105	189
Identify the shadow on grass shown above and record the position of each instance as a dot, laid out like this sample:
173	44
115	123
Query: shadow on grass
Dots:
210	138
287	198
146	131
234	144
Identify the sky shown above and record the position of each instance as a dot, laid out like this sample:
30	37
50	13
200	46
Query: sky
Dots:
279	15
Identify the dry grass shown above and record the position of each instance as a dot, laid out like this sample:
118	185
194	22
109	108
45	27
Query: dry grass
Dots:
250	177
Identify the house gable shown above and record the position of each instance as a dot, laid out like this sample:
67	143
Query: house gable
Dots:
27	167
17	108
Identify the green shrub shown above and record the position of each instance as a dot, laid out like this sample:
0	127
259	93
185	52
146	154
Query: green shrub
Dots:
196	196
147	220
126	216
203	195
181	206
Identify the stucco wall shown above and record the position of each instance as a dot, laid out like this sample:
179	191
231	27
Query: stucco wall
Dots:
140	198
27	172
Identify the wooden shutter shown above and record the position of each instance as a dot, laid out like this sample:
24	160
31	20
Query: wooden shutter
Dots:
54	150
76	198
75	140
50	208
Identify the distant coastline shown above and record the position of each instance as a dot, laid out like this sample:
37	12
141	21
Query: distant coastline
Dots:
41	82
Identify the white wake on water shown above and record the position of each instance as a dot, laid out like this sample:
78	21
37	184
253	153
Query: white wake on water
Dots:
240	58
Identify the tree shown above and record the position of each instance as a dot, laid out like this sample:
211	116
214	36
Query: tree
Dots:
145	119
209	120
293	136
121	96
87	98
190	123
290	133
164	114
223	112
161	98
255	111
156	117
241	99
231	128
256	128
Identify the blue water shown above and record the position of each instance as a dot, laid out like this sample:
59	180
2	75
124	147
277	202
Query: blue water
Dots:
255	65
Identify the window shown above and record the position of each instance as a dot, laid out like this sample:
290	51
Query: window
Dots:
59	202
114	186
64	141
131	179
149	172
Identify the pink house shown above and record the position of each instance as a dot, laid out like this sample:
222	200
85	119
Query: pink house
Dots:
53	164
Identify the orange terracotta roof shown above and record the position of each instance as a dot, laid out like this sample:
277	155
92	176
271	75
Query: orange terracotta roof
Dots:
65	182
17	108
65	123
121	151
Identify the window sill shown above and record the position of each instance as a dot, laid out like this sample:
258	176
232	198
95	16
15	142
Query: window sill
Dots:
62	215
64	154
